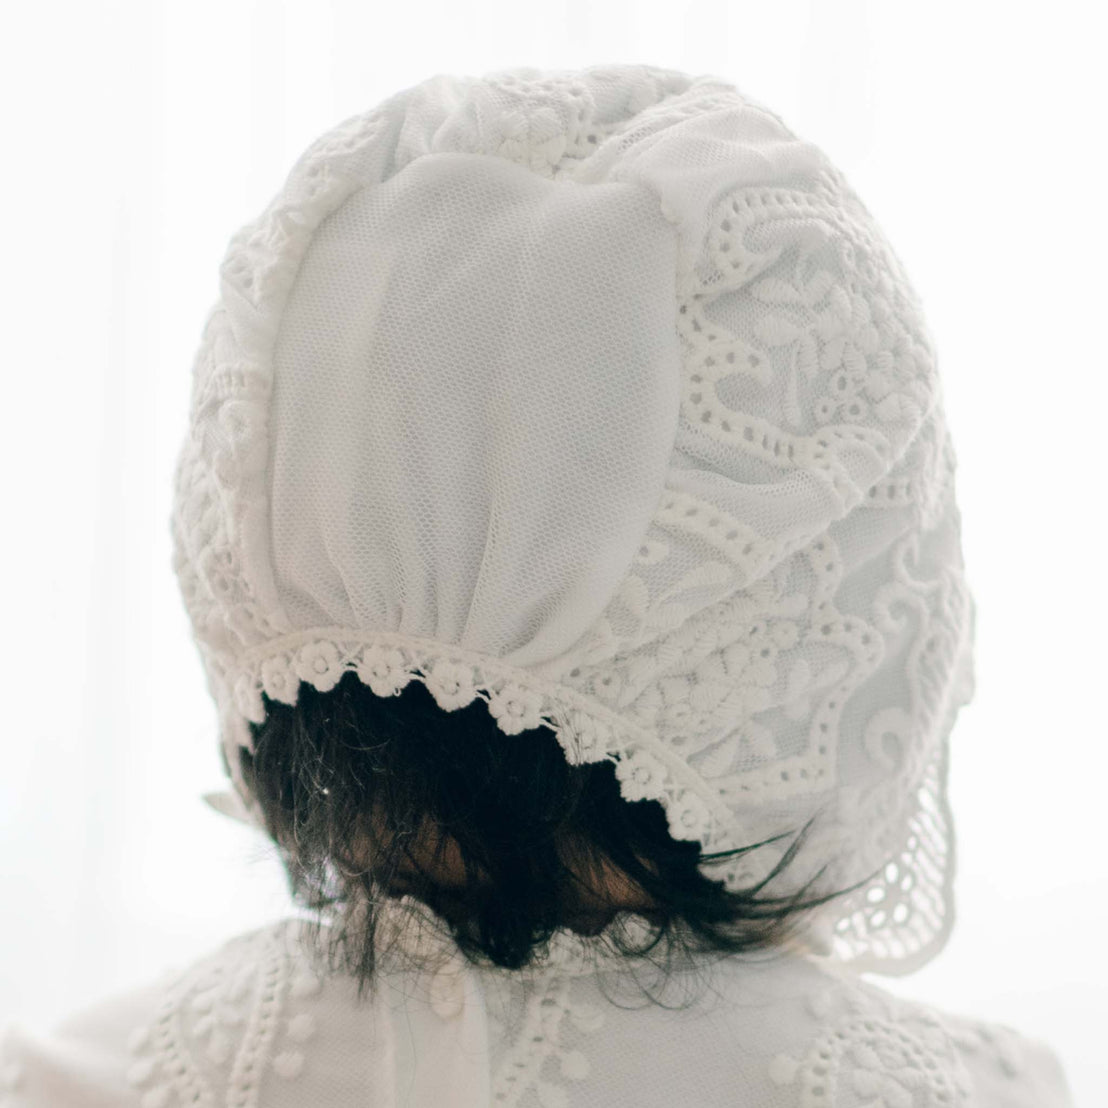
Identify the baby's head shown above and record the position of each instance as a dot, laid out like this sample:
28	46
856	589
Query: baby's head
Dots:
598	397
373	797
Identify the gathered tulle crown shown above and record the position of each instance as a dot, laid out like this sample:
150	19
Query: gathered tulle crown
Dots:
600	396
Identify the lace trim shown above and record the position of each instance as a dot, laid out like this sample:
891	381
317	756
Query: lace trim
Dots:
225	1016
254	1015
903	917
540	1041
252	1009
645	767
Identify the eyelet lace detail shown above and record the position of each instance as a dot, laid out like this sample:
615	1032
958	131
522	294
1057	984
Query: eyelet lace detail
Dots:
873	1050
222	1025
539	1042
250	1012
257	1021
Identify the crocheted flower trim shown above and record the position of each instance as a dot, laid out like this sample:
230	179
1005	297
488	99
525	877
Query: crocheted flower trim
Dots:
586	731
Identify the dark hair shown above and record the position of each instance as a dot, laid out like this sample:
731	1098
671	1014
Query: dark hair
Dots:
533	833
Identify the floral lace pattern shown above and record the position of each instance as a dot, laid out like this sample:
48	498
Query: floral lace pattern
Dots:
221	1028
249	1015
525	1069
871	1051
719	677
257	1024
874	1050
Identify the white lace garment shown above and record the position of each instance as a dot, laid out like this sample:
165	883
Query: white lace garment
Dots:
255	1024
599	395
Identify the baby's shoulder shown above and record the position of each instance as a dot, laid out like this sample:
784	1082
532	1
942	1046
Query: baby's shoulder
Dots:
255	1022
849	1042
239	1019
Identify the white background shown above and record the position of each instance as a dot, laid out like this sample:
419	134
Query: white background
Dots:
139	135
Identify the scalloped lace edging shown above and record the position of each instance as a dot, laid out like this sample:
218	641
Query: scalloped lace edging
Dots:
517	701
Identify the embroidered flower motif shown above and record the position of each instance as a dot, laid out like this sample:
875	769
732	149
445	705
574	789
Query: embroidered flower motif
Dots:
451	684
688	816
320	664
751	661
216	569
515	708
891	1055
278	680
383	669
641	776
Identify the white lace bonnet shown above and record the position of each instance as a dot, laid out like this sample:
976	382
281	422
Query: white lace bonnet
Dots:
600	396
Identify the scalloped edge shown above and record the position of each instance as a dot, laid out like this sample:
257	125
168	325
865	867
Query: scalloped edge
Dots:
517	699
